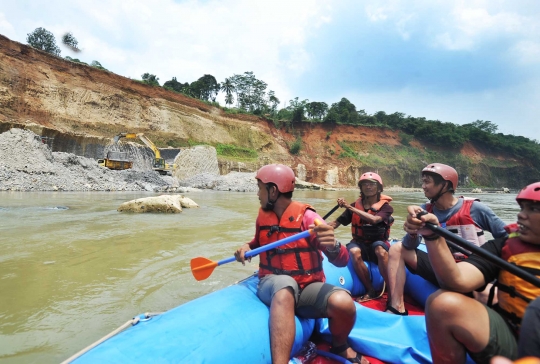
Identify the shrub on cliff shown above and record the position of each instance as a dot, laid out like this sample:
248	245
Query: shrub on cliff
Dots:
44	40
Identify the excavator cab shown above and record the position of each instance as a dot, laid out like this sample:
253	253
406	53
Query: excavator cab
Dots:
159	164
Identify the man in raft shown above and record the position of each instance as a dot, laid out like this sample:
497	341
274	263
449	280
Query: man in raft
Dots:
292	280
466	217
457	324
370	217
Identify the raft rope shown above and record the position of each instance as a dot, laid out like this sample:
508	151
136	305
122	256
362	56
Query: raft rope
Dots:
134	321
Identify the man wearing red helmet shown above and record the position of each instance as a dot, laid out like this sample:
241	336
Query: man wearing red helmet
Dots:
466	217
457	324
291	277
370	217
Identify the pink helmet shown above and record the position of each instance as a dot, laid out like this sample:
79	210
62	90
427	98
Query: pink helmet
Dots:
446	172
370	176
531	192
279	174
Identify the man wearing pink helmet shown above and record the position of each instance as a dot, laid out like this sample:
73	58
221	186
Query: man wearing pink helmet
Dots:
466	217
370	217
457	324
292	280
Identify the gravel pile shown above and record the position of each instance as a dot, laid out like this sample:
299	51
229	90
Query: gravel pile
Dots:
234	181
26	164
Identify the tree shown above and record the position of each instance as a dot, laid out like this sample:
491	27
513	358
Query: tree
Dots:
44	40
342	112
205	88
250	92
69	40
273	101
229	99
176	86
97	65
227	86
316	110
150	79
297	109
486	126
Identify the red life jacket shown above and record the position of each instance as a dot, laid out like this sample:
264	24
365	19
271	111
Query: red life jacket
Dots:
368	233
462	224
298	259
514	293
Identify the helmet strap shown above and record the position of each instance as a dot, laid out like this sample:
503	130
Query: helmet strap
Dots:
270	203
434	199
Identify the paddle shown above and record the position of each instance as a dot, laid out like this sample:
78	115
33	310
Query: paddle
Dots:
202	267
330	212
501	263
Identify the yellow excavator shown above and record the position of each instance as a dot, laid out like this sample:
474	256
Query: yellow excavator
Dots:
159	164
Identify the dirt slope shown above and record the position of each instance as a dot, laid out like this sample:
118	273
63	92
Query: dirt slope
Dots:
83	107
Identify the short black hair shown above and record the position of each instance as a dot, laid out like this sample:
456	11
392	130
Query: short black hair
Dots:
438	179
284	194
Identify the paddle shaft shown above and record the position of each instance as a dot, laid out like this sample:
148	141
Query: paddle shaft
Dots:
330	212
501	263
251	253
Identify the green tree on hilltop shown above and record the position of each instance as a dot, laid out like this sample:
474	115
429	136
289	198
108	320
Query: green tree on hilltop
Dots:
176	86
44	40
150	79
205	88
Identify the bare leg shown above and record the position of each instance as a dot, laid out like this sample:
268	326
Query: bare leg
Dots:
341	317
484	295
382	262
361	270
282	325
396	274
455	323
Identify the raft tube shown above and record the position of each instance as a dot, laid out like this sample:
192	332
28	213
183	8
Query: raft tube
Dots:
231	325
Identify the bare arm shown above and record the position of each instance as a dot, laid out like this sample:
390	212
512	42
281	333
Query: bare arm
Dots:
371	219
459	277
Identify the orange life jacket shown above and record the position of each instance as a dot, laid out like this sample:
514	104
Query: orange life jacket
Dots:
368	233
514	294
299	259
462	224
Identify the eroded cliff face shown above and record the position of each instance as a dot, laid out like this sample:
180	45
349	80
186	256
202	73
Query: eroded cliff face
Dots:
80	108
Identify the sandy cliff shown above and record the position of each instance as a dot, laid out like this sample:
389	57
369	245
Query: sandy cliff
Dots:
81	108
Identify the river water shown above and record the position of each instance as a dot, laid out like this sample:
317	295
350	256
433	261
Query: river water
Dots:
72	268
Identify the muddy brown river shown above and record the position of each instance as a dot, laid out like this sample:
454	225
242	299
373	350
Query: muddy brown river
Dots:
72	268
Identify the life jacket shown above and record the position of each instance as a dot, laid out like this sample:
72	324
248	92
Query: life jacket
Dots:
514	293
368	233
462	224
298	259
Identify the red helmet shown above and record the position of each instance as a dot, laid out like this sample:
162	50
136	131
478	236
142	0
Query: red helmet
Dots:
279	174
531	192
370	176
446	172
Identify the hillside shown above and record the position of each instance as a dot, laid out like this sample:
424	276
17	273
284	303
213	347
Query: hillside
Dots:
80	108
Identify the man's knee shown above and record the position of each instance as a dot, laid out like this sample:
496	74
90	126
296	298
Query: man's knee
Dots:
444	303
284	296
356	254
381	252
341	301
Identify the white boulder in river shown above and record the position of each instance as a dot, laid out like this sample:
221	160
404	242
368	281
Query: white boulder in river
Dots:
165	203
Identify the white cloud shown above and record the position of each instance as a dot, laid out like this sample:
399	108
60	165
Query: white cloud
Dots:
6	28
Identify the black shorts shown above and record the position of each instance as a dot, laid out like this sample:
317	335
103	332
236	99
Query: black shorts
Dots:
368	250
424	268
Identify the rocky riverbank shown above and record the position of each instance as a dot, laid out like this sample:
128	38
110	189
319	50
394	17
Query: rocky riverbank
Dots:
27	164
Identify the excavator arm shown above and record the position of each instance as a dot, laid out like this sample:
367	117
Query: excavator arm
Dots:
159	163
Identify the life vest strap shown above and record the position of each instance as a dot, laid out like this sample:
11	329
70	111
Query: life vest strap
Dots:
297	272
276	228
512	292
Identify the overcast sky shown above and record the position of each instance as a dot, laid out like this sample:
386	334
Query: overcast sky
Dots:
454	61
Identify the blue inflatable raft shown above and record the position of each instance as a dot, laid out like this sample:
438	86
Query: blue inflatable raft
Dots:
231	326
